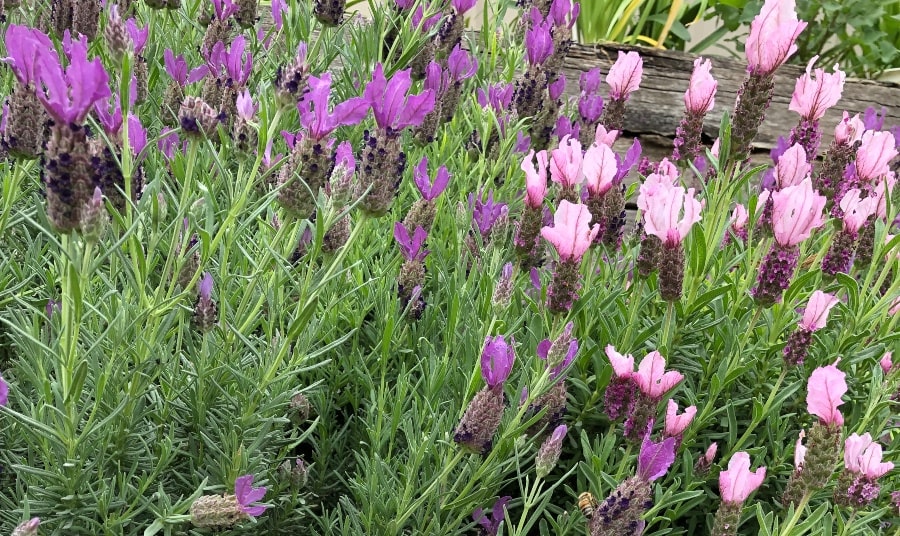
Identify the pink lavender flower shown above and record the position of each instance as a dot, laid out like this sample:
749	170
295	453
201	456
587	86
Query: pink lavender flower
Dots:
849	130
670	213
882	190
565	167
738	481
4	391
28	528
490	526
855	211
700	96
858	485
571	233
535	179
411	246
247	495
773	36
874	155
887	363
738	221
652	378
600	169
813	96
676	424
797	210
608	137
706	460
624	77
620	389
430	190
814	318
825	388
792	167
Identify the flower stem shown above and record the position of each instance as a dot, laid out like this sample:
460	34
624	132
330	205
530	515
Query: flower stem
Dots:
668	328
847	524
637	293
755	422
798	513
529	501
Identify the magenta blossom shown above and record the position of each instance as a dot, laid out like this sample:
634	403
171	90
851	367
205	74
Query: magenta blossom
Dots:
246	495
245	107
863	456
590	103
169	142
606	137
623	365
565	163
887	362
25	47
738	482
486	212
564	12
624	76
701	94
535	179
773	36
461	6
663	211
814	96
797	210
177	68
392	107
571	233
224	8
652	378
137	135
739	218
538	39
825	388
461	65
816	313
430	190
314	114
676	424
882	190
497	360
279	7
849	130
411	247
69	96
655	459
4	391
137	35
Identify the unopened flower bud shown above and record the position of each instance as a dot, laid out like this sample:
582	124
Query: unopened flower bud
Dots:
197	118
246	13
93	217
217	511
115	34
481	420
548	454
297	472
28	528
329	12
205	311
504	288
299	408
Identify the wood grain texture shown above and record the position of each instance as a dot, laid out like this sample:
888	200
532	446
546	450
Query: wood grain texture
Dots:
657	107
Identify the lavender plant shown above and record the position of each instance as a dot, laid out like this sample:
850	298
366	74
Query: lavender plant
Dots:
243	278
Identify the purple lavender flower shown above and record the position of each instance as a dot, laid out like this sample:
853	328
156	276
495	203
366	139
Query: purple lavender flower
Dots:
314	114
590	104
69	96
538	39
497	360
205	310
490	527
393	109
247	495
486	213
461	64
411	247
872	119
549	452
655	459
224	8
4	392
498	97
168	142
25	47
430	190
559	353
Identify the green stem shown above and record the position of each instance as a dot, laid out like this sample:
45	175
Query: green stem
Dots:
847	524
637	294
798	513
668	328
620	472
440	480
755	422
529	501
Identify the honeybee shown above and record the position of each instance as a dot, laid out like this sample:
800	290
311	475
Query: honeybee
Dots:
587	503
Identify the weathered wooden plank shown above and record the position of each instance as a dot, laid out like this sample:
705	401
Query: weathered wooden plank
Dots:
658	106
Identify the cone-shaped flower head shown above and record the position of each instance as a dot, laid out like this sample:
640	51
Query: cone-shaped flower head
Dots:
565	162
874	155
624	76
600	169
430	190
392	107
863	456
571	233
4	392
314	114
655	459
28	528
559	353
825	388
490	526
538	39
411	247
69	96
652	378
676	424
701	94
25	47
535	178
497	360
247	495
814	96
738	482
548	454
792	167
671	212
816	313
773	36
797	210
849	130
